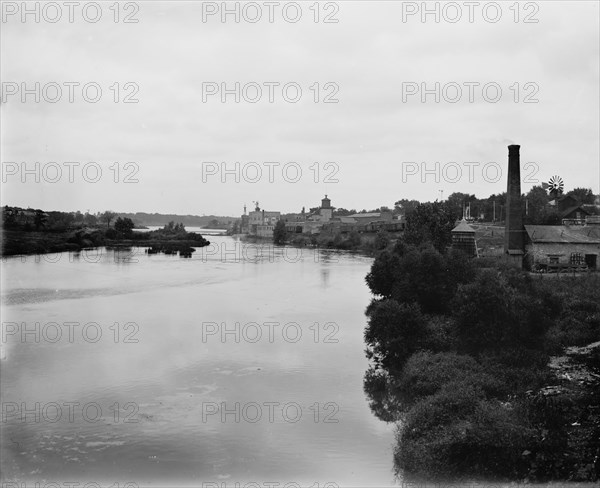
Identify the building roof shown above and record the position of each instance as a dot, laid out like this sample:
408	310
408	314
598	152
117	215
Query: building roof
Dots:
574	208
563	234
591	209
463	227
372	215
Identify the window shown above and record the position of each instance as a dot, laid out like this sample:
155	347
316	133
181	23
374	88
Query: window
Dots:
577	258
553	259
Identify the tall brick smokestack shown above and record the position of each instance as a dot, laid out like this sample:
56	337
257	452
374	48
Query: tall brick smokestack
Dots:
514	238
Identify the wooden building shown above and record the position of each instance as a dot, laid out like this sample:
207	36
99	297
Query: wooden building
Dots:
558	247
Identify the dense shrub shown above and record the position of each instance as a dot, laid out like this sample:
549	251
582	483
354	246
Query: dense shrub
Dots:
384	272
458	432
459	348
382	240
423	276
440	334
516	369
394	332
578	324
426	373
491	313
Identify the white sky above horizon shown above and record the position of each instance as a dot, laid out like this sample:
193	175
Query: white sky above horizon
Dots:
368	135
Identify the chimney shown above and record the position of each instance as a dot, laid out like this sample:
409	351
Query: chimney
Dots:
514	238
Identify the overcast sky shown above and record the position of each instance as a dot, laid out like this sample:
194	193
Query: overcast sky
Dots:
369	57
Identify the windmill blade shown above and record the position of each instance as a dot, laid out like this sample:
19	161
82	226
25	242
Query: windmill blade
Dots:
556	185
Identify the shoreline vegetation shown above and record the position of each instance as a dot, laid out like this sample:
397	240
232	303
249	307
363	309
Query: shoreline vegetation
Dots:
368	244
171	239
487	371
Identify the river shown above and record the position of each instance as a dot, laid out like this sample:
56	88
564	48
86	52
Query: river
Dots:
236	365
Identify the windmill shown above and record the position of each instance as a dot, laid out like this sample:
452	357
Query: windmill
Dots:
555	186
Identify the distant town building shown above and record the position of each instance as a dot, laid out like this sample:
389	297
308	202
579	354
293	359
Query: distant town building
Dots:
366	218
261	223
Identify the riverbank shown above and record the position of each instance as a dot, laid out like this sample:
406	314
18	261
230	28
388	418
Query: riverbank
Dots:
368	244
489	372
19	242
576	392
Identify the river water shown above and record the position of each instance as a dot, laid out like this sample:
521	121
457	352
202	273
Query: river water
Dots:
237	365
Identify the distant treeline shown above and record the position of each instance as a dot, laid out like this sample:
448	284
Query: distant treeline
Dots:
143	218
43	220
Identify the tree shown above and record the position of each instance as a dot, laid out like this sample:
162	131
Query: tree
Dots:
382	240
174	229
60	220
279	232
40	219
456	202
583	195
499	311
124	226
492	207
107	217
405	207
342	212
424	276
354	239
90	219
9	219
394	332
536	206
431	222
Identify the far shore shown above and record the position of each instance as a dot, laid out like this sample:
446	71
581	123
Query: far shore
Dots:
18	242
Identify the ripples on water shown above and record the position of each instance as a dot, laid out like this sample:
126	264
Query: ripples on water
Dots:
154	393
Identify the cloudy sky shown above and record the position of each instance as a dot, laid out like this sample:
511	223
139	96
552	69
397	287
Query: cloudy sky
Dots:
178	138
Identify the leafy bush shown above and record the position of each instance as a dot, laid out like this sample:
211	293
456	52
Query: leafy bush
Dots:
457	348
384	272
394	332
491	313
440	334
457	432
430	222
426	374
578	324
382	240
424	276
516	369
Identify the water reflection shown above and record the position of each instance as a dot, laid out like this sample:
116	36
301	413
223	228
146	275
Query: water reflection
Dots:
175	369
